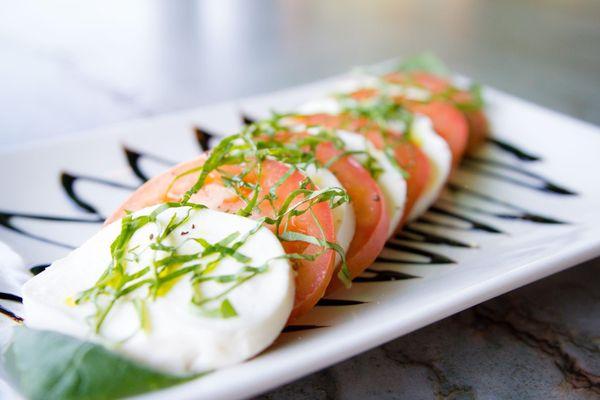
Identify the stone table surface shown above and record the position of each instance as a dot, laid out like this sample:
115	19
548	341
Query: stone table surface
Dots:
67	66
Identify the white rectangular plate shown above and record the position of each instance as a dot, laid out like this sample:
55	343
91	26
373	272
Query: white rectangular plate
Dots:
510	220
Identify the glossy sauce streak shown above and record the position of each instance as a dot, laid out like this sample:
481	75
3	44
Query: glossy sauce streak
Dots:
337	303
7	218
38	269
246	119
412	234
6	312
204	138
68	181
296	328
133	160
433	258
522	214
382	275
10	297
514	150
490	168
474	225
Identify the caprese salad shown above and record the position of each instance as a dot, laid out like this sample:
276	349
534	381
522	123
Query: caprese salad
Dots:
204	265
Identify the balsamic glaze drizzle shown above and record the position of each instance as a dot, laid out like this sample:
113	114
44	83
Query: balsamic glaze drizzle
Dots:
6	220
68	181
382	275
522	214
37	269
203	137
338	302
133	160
474	224
483	166
514	150
10	297
10	314
246	119
412	234
5	311
434	258
297	328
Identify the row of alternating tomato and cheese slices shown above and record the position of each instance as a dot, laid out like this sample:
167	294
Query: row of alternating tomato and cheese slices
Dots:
204	265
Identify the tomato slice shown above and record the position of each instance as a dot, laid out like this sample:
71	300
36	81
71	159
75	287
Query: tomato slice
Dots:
406	153
312	276
477	123
372	219
447	121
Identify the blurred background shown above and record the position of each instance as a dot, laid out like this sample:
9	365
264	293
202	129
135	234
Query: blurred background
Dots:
68	65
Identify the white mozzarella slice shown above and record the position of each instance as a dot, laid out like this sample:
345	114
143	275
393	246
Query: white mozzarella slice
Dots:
343	215
440	160
179	338
329	105
391	181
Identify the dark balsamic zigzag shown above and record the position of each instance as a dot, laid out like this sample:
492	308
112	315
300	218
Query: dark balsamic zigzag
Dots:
246	119
7	218
434	258
37	269
204	138
474	225
10	297
297	328
514	150
493	169
411	234
521	213
68	181
382	275
338	302
133	160
6	312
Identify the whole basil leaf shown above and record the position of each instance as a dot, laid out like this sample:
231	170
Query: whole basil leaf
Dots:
50	365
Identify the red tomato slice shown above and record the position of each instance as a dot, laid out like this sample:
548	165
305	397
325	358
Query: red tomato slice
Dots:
448	122
372	219
406	153
477	123
312	277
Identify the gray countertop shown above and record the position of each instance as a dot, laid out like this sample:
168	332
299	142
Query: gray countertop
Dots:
69	66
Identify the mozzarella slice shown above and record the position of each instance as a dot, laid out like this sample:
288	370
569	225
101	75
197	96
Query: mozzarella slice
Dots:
440	160
180	338
328	105
390	180
343	215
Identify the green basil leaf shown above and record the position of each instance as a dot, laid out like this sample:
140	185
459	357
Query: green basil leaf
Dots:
425	62
50	365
